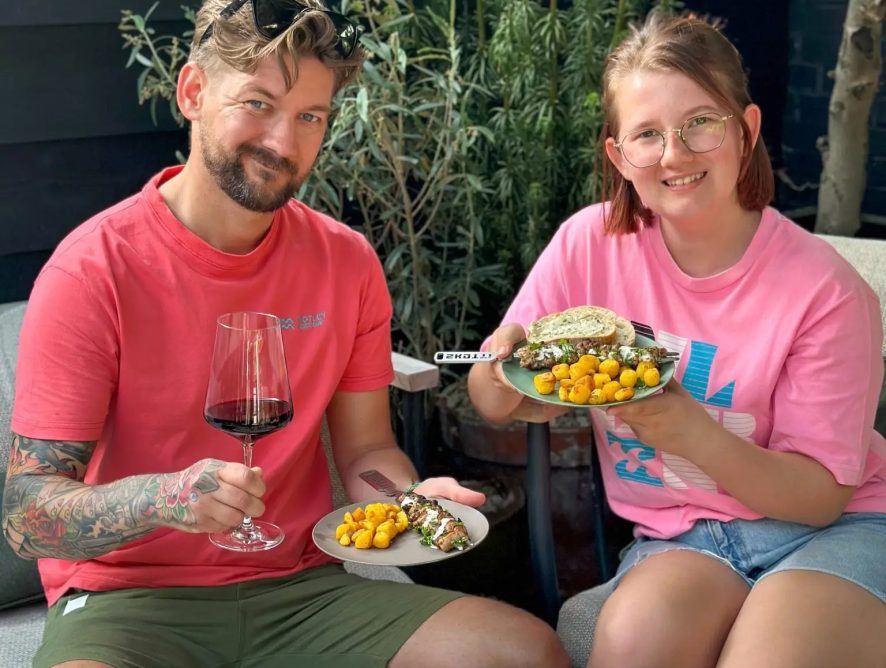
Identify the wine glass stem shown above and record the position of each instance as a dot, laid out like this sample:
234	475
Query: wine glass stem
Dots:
246	526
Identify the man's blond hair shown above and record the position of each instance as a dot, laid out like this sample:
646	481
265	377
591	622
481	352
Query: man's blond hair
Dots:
236	42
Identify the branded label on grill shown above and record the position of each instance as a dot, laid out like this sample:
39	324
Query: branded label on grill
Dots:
462	357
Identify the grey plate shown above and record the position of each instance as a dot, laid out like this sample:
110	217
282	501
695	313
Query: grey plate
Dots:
521	380
405	549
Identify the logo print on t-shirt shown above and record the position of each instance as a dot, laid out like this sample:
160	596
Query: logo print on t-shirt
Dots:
678	472
308	321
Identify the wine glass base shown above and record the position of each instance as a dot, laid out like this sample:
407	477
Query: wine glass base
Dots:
258	537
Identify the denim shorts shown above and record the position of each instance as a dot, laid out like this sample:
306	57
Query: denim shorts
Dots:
852	548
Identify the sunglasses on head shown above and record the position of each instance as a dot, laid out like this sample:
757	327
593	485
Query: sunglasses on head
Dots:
273	18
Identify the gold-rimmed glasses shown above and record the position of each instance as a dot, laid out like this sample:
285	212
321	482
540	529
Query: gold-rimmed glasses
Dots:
700	134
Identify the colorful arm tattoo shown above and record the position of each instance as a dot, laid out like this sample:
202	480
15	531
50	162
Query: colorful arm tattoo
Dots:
49	512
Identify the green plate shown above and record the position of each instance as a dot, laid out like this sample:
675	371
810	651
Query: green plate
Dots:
521	380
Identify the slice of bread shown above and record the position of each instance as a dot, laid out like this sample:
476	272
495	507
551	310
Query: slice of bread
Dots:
624	332
579	322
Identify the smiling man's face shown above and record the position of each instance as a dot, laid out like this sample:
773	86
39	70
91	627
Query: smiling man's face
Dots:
259	141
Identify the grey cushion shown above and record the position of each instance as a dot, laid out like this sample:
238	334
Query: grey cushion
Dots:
578	619
868	256
19	582
21	631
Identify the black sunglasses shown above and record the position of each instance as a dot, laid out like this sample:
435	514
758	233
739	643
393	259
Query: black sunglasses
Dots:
273	17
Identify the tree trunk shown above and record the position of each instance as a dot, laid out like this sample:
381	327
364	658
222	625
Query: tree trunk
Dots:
845	149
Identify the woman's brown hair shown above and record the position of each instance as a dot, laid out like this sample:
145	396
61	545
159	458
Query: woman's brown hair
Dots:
695	48
236	42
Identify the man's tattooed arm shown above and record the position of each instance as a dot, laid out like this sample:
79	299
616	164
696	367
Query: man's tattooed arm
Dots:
49	512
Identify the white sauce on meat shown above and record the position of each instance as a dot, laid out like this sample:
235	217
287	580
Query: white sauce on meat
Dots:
442	527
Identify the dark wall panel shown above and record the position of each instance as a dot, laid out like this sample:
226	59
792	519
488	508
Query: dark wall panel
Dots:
48	188
73	139
76	12
79	87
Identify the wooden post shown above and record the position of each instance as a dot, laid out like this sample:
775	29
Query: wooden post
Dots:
845	149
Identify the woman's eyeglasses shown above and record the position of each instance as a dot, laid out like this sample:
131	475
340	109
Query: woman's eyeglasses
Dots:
273	17
700	134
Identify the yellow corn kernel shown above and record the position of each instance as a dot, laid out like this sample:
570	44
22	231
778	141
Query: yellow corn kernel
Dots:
577	370
363	541
381	540
609	390
375	509
611	367
579	394
628	378
651	377
624	394
589	362
560	371
544	382
597	397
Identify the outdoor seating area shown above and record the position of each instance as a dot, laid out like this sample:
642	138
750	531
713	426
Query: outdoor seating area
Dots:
22	610
605	263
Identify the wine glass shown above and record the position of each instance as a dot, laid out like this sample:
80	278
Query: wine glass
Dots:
248	397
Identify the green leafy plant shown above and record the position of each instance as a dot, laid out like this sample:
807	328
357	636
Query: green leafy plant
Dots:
471	134
546	61
401	161
404	162
160	57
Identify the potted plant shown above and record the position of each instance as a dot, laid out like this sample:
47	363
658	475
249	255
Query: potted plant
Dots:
471	134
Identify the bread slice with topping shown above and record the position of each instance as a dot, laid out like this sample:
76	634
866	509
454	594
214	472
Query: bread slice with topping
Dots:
574	324
625	335
563	337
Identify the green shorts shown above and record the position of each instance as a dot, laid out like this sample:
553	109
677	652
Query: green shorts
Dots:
318	618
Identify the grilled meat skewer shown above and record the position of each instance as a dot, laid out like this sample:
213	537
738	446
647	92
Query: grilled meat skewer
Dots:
437	526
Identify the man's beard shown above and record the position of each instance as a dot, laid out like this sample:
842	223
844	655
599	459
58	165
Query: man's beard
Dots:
256	195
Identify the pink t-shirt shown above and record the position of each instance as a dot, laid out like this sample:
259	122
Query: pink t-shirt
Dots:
783	349
116	346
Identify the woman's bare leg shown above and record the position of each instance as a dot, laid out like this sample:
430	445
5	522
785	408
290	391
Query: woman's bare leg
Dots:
482	633
809	619
672	609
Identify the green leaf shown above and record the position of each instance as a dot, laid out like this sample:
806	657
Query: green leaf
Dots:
143	60
363	105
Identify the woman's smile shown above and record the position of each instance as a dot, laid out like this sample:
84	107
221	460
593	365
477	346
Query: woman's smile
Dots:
684	182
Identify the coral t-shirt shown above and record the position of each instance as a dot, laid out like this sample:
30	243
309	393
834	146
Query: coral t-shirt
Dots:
116	347
783	349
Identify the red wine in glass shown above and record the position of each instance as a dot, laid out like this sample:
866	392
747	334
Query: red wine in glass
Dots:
248	397
231	417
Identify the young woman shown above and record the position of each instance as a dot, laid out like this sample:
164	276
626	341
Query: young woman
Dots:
756	483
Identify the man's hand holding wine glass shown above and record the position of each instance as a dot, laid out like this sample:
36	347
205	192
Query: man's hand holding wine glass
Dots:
210	496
